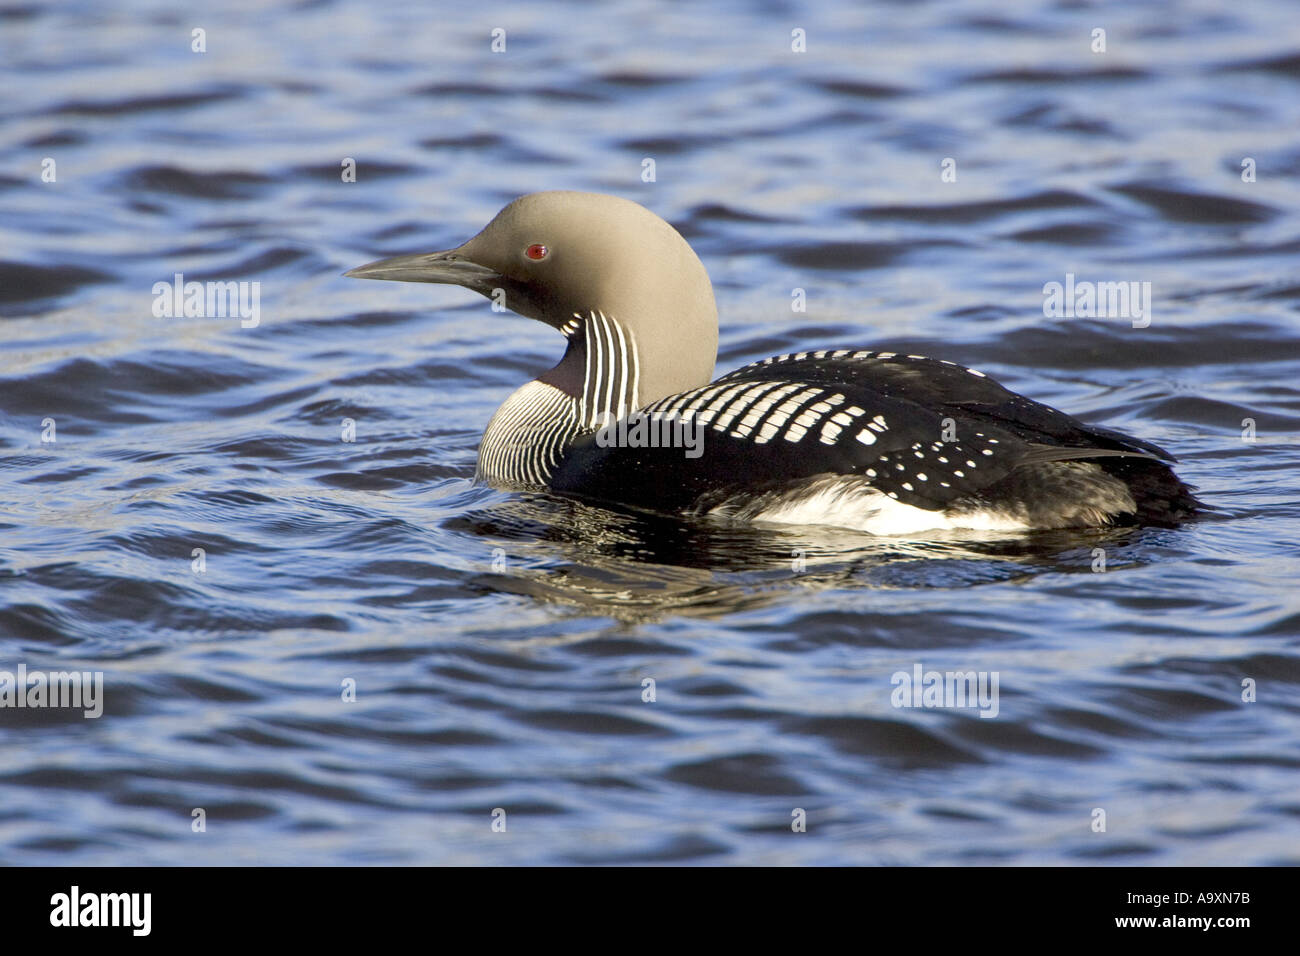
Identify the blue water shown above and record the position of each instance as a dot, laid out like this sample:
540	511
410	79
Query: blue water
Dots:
499	642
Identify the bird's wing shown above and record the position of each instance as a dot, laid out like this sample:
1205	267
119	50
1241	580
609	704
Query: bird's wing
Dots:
923	431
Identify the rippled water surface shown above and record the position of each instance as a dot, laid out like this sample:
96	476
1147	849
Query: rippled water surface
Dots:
499	642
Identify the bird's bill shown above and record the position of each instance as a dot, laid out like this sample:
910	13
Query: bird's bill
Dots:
449	268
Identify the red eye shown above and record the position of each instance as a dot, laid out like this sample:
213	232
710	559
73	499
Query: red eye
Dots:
536	251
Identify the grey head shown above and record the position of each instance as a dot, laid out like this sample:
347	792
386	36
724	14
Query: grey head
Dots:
576	260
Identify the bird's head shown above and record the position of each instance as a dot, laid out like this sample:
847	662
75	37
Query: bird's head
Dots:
560	256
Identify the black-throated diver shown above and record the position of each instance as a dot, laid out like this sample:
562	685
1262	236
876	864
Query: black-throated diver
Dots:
872	440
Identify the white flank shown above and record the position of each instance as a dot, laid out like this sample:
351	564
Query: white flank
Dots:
865	509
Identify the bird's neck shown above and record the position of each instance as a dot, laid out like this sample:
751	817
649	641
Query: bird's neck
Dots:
598	381
601	369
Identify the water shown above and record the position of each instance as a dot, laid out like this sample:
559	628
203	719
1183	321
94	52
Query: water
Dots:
499	642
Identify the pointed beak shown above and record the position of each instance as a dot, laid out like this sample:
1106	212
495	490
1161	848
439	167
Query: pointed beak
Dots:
449	268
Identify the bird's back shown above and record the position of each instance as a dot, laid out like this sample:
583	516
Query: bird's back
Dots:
879	441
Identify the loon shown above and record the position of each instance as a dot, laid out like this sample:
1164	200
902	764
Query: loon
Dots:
869	440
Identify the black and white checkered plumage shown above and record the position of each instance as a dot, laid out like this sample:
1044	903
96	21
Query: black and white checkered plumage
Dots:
884	442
